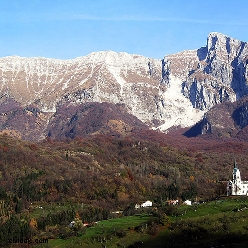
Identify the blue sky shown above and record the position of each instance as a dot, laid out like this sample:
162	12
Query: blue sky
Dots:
67	29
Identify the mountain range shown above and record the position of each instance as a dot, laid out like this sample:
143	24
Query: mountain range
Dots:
119	92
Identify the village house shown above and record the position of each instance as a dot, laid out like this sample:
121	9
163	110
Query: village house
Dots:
143	205
146	204
236	186
173	202
187	202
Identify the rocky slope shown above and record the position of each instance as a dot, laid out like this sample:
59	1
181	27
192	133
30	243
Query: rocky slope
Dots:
229	119
176	91
27	122
71	121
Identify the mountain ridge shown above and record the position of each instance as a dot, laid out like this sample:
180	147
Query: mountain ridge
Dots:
175	91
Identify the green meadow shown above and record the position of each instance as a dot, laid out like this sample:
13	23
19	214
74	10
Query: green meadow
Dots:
223	222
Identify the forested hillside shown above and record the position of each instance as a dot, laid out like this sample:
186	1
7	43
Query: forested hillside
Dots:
109	173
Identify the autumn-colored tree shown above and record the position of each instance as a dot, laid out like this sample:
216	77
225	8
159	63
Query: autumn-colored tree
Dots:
33	224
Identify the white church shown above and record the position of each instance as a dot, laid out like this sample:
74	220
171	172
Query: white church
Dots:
236	186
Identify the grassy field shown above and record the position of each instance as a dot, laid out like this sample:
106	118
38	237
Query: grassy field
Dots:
221	222
38	210
102	234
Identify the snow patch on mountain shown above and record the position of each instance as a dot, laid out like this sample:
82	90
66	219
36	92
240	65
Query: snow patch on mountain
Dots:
177	110
115	71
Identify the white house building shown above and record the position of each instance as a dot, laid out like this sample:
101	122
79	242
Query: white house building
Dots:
146	204
236	186
188	202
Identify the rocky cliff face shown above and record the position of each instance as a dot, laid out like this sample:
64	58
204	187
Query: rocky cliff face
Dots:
212	74
175	91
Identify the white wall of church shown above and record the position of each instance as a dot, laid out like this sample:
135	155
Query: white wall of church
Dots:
237	186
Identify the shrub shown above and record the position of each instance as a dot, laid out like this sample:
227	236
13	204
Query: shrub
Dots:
121	233
164	220
153	229
65	232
